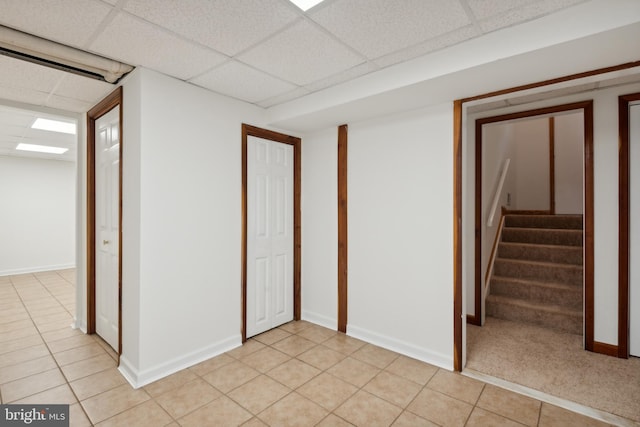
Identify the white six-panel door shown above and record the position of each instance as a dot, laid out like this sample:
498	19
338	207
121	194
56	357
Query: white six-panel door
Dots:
269	234
107	164
634	230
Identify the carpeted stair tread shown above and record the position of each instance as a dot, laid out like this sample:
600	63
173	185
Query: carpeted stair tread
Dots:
539	270
545	236
558	294
541	252
573	222
549	316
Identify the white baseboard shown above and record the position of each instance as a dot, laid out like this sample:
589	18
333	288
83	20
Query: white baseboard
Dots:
138	378
27	270
405	348
319	319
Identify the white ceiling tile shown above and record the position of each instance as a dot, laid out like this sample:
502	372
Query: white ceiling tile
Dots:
351	73
525	13
288	96
70	22
228	26
436	43
137	42
485	8
301	54
22	74
379	27
240	81
69	104
21	94
83	88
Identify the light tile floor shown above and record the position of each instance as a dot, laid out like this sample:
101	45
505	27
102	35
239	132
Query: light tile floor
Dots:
299	374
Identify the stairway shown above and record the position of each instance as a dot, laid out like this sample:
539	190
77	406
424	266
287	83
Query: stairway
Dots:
537	273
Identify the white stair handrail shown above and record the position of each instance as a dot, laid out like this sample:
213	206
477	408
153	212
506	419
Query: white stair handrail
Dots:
496	197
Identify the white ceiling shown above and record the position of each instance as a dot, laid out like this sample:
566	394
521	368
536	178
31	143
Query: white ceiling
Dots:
265	52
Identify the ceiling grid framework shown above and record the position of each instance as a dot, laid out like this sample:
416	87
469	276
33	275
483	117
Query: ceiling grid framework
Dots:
265	52
219	44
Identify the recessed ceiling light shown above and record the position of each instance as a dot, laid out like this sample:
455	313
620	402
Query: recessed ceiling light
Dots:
54	126
41	148
306	4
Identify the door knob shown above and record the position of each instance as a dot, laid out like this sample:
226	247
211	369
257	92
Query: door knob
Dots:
105	242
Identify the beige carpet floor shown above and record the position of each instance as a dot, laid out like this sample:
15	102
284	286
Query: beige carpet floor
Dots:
555	363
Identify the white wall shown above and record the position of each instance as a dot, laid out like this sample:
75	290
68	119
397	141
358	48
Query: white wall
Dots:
497	146
569	163
400	184
182	222
320	227
37	218
531	165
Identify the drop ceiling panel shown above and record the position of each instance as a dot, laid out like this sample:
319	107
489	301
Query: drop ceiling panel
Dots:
302	54
137	42
243	82
522	14
83	88
287	96
71	22
379	27
431	45
69	104
351	73
21	74
27	96
228	26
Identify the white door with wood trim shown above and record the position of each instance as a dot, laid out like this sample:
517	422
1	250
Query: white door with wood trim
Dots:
269	234
634	230
107	217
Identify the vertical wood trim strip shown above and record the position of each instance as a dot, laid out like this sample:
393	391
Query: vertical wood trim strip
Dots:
477	277
342	229
588	227
248	130
552	165
243	330
623	222
457	235
114	99
297	227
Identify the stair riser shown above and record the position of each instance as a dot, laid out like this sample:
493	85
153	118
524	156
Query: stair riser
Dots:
558	321
560	273
542	236
542	221
559	254
570	298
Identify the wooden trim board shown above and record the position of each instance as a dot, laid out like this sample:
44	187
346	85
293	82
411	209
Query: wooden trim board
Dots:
342	229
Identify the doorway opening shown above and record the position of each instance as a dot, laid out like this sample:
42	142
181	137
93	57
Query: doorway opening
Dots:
104	273
288	272
515	170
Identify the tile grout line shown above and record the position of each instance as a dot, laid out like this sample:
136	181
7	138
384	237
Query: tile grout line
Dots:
68	384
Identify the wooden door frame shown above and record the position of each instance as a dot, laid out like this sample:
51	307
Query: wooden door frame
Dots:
457	187
248	130
624	101
343	235
114	99
587	109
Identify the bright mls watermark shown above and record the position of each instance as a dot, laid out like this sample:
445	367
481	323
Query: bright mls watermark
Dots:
34	415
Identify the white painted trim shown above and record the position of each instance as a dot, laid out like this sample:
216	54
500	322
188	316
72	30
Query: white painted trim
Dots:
37	269
425	355
550	399
319	319
139	379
